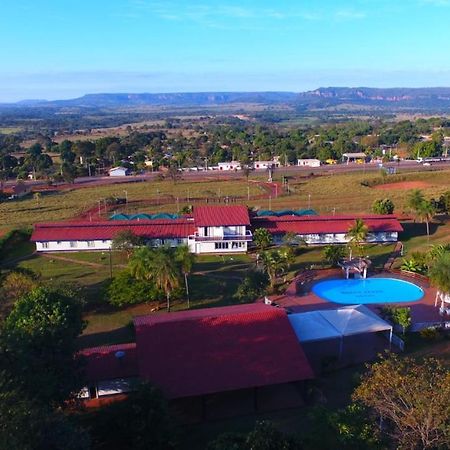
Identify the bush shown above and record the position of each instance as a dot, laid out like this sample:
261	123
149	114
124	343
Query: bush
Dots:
126	290
430	334
252	287
398	316
383	206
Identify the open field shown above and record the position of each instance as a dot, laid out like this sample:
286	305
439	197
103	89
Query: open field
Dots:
339	193
70	203
344	193
10	130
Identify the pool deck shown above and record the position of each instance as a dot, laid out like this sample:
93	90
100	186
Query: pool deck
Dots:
299	297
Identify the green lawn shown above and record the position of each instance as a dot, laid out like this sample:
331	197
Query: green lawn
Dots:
213	282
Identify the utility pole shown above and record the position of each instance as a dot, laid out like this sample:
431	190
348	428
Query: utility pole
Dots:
110	263
309	201
126	197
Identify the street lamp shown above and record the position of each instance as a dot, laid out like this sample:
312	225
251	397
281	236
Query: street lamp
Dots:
309	201
126	197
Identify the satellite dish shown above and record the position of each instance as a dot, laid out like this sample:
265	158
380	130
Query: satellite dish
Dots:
119	354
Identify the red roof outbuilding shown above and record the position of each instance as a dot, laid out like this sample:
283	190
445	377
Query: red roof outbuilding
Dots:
207	351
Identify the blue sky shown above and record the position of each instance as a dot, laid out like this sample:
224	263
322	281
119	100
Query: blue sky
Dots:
66	48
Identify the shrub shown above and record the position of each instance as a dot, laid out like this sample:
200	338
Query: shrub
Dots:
252	287
383	206
333	254
126	290
430	334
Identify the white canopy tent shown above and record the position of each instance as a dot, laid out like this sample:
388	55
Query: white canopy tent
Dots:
337	323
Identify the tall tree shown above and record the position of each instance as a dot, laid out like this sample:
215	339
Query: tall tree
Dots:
186	261
357	235
333	254
29	425
38	344
425	213
274	264
439	273
262	238
412	400
158	265
140	422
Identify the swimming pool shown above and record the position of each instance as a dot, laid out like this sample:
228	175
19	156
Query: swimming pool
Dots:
367	291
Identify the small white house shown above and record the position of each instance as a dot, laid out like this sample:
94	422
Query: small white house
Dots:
258	165
308	162
232	165
119	172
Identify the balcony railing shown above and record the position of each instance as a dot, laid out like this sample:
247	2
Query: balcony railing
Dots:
227	237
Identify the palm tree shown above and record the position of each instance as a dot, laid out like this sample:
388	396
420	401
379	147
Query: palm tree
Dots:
140	263
262	238
425	213
436	251
415	199
357	234
186	260
158	265
333	254
274	263
439	273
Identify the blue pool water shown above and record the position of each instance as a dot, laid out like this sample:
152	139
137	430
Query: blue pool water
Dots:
366	291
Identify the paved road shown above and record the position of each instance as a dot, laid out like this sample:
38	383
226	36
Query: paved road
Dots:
291	170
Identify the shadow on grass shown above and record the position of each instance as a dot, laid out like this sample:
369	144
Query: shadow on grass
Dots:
117	336
417	229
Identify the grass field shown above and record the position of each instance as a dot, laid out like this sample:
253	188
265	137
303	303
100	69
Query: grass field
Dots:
10	130
344	193
213	283
67	204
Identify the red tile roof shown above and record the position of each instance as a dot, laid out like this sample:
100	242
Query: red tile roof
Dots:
89	231
212	216
325	224
102	363
213	350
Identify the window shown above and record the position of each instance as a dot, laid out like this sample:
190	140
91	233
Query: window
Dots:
221	245
73	244
45	245
91	244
